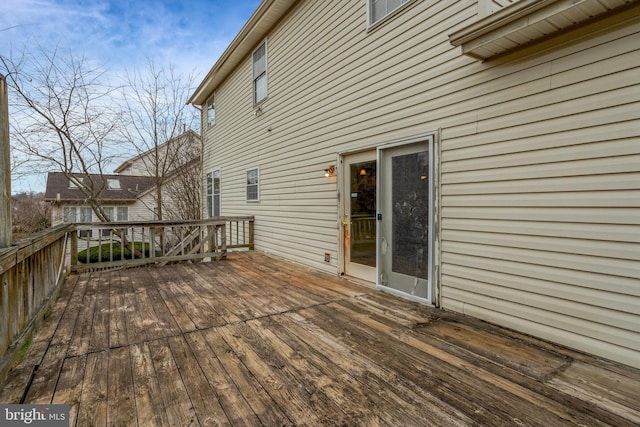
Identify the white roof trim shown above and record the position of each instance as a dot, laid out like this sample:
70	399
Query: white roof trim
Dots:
525	21
268	13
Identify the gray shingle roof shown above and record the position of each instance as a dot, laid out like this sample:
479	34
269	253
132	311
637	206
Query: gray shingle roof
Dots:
131	186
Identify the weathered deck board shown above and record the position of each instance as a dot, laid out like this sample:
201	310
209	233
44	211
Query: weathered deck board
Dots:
149	405
256	341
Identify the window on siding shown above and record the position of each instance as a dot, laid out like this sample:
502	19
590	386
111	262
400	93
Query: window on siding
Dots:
260	73
68	214
210	194
123	213
85	215
378	9
213	193
253	185
78	214
116	214
216	193
108	211
211	112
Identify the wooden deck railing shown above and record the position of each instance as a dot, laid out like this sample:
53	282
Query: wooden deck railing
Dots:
31	273
128	244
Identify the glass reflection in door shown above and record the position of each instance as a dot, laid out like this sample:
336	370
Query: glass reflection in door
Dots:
362	192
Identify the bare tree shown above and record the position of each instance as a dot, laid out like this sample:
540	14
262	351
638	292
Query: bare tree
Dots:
63	117
30	214
183	188
158	120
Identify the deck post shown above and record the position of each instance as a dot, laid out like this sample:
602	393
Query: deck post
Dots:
74	249
251	224
223	240
5	168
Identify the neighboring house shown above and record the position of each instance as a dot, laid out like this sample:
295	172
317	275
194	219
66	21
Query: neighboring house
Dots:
487	163
178	169
171	154
131	194
124	198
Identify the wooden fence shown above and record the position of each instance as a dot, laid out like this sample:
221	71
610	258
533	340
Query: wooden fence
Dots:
32	271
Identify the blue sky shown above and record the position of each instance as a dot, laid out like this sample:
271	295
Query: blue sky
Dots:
121	35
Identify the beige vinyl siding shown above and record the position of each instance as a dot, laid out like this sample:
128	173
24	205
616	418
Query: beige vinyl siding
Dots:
540	158
324	91
540	221
142	209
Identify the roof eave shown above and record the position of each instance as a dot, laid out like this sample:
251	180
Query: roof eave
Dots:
268	13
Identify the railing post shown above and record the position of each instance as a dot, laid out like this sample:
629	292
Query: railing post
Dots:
152	242
5	169
223	240
251	223
74	248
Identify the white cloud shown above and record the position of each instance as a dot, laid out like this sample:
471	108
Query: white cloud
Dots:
120	36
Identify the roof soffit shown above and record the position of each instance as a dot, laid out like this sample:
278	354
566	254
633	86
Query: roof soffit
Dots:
525	21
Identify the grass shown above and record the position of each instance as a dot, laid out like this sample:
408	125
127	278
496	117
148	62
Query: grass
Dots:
102	253
24	348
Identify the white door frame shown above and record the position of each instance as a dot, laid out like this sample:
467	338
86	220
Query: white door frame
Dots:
431	140
433	137
343	173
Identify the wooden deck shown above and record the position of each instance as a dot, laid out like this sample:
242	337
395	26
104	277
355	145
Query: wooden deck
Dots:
257	341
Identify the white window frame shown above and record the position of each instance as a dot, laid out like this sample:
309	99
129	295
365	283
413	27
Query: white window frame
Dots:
85	214
248	185
78	215
69	214
73	184
121	218
212	194
371	23
216	206
211	112
208	188
263	73
109	212
113	184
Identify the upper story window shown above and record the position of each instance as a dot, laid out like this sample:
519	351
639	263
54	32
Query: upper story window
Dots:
378	9
119	213
73	183
69	214
260	73
253	185
113	184
122	213
211	112
80	214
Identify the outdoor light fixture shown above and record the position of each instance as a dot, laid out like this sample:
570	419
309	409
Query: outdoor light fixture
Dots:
330	171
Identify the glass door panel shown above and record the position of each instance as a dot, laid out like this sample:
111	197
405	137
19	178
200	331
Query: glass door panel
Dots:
405	212
359	215
362	195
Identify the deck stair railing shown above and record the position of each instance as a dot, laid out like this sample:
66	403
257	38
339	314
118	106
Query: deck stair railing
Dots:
128	244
